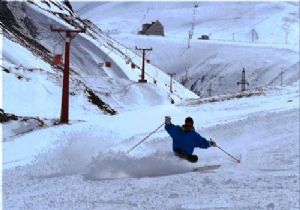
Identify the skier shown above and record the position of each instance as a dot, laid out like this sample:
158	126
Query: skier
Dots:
185	139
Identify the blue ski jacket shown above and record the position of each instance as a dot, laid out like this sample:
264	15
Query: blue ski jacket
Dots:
186	141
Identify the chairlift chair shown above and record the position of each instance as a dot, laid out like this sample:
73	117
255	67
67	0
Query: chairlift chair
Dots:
132	65
108	64
57	56
57	59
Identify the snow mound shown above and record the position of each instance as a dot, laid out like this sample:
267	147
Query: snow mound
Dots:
123	166
92	155
71	153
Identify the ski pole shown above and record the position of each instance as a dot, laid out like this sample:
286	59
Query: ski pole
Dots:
144	139
237	160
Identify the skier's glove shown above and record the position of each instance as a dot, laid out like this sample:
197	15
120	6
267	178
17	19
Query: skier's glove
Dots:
212	143
167	120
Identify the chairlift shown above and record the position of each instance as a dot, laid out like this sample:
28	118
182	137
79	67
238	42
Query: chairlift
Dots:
57	59
148	61
132	65
108	64
57	56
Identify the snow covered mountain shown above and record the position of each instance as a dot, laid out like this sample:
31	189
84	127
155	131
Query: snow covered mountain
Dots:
30	67
220	60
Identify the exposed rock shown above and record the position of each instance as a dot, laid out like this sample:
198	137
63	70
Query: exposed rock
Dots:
93	98
4	117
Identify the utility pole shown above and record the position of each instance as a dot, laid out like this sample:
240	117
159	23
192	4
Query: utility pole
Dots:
189	39
171	81
243	82
254	35
142	80
191	32
70	34
184	78
281	77
186	75
209	90
194	19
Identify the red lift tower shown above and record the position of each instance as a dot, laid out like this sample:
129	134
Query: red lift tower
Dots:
70	34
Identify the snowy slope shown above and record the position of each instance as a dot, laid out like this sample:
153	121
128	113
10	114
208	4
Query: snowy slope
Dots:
270	19
220	60
88	52
83	166
33	88
221	63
